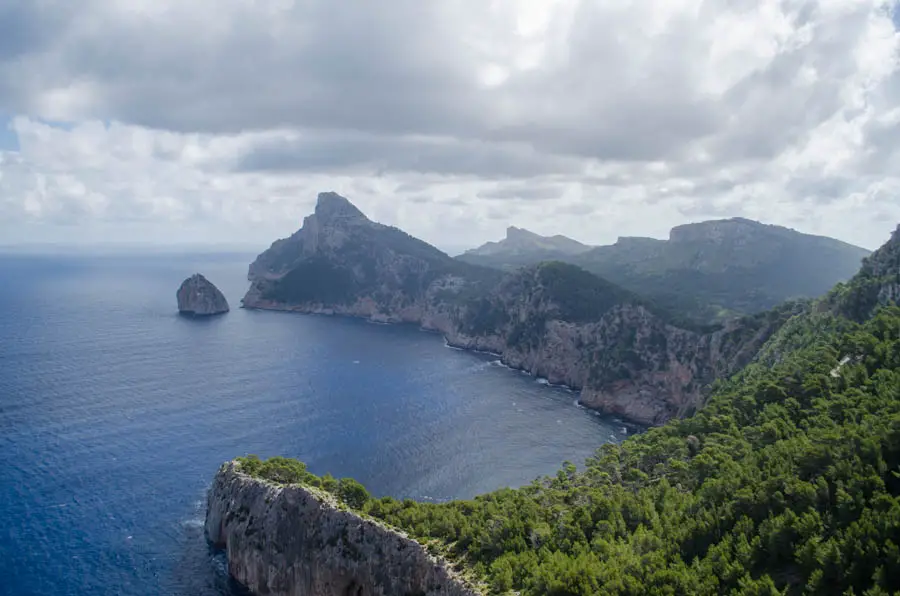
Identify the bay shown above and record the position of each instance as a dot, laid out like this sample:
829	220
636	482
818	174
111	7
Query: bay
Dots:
115	413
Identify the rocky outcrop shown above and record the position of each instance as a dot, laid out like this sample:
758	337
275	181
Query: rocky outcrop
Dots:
884	267
553	320
197	296
876	284
297	541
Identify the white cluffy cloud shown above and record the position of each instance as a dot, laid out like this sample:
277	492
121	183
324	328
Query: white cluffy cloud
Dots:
218	121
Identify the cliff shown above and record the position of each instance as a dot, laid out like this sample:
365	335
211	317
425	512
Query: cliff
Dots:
199	297
553	320
297	541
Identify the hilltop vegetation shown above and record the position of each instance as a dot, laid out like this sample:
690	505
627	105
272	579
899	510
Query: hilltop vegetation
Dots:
786	482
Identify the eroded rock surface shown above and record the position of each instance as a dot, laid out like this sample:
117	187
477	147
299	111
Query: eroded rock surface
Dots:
199	297
295	541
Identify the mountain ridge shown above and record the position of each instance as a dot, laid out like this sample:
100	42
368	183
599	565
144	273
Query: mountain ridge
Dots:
520	240
708	270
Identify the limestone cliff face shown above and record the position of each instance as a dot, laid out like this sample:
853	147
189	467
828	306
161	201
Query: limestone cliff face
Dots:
198	296
291	541
553	320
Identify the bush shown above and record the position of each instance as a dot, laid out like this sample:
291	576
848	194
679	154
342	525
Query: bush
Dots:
352	493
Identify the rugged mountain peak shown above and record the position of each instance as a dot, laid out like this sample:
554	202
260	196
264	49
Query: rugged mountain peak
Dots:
332	207
340	258
335	221
514	233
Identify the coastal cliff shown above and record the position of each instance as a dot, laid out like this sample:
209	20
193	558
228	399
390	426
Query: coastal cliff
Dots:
553	320
292	540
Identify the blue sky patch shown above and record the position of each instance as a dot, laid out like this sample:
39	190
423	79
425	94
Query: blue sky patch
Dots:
9	141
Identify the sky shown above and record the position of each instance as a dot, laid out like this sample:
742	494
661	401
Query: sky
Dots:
217	122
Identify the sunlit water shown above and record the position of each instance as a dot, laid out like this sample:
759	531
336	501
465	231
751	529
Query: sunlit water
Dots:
115	413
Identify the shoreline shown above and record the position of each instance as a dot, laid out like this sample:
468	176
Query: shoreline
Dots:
613	416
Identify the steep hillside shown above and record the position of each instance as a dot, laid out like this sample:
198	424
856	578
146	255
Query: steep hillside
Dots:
340	258
554	320
877	283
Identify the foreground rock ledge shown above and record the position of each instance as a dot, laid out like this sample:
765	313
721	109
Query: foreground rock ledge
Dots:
294	541
199	297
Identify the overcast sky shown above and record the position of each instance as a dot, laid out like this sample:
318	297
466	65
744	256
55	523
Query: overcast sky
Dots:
218	121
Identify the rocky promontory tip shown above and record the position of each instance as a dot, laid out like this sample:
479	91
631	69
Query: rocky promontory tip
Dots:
293	540
197	296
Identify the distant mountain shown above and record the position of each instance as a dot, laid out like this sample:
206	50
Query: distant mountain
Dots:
713	269
521	247
554	320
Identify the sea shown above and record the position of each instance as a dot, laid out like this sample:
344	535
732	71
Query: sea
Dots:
116	412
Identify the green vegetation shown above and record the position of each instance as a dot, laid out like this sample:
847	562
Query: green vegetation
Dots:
283	470
786	482
315	280
484	316
579	295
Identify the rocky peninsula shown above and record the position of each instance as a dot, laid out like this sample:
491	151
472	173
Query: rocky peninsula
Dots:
554	320
197	296
295	540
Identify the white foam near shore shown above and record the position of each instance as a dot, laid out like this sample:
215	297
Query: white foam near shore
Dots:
447	344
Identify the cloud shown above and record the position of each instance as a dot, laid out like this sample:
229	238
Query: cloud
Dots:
223	118
342	151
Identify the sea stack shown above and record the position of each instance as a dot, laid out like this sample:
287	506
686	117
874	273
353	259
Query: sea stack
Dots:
197	296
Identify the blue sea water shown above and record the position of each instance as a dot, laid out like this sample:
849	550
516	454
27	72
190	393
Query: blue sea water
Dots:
115	413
